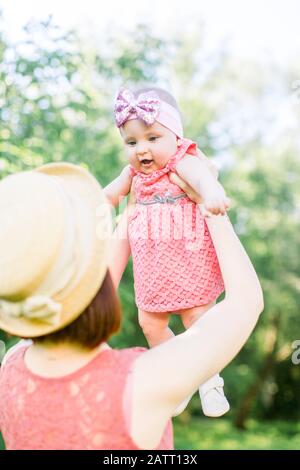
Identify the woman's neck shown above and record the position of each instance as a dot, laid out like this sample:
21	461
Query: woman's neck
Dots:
59	359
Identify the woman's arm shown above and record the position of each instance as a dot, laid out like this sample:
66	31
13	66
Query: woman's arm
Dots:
14	348
167	374
120	250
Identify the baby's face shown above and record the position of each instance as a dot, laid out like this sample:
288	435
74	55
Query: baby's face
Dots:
148	148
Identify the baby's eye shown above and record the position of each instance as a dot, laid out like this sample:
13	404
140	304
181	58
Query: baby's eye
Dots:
131	143
153	138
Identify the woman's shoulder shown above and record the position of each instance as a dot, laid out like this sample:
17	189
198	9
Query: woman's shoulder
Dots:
110	358
127	354
116	359
17	348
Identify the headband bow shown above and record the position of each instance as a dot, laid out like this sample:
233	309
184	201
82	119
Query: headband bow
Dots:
146	107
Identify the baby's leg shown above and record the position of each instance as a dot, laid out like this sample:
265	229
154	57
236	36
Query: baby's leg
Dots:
155	327
190	315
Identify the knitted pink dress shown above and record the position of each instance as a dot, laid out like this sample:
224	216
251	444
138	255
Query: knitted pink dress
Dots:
174	261
82	410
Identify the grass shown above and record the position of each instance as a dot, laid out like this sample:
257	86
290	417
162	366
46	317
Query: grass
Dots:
219	434
1	443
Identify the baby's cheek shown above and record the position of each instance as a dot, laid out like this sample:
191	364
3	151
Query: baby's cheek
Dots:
131	158
134	163
161	158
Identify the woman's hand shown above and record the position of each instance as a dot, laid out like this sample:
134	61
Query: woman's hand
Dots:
215	201
218	203
186	188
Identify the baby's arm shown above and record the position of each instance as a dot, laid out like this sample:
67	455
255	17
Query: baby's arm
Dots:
120	248
119	187
196	173
211	166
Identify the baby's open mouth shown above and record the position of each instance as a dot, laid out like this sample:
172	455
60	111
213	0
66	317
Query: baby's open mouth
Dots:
145	161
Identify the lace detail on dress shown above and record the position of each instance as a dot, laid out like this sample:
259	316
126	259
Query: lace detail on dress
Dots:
82	410
174	261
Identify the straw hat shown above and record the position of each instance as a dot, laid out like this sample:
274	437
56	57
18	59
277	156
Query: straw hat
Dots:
55	228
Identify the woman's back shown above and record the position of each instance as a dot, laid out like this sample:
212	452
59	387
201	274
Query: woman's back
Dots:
61	279
82	410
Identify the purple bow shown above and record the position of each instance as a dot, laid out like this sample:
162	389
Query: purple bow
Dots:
145	107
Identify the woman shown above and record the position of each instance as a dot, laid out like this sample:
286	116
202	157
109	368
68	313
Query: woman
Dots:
68	389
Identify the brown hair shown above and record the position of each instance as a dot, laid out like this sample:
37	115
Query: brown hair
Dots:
100	320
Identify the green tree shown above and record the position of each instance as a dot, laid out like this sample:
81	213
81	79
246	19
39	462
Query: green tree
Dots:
57	99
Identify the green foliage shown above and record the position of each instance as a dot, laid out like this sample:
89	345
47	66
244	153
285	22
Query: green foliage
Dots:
219	434
267	193
2	446
57	102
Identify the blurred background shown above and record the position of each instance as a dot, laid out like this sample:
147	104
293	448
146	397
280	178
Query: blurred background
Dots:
234	68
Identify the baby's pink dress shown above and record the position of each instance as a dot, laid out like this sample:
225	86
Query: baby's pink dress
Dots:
174	260
82	410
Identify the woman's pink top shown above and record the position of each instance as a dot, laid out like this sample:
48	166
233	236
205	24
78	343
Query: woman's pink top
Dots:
174	260
82	410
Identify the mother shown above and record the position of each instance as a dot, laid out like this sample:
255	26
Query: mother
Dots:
68	389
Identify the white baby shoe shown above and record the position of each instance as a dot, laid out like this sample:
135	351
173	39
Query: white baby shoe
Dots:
213	401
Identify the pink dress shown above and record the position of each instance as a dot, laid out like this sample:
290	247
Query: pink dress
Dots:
82	410
174	261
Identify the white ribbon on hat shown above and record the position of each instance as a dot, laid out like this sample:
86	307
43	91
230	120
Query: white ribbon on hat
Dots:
37	307
41	306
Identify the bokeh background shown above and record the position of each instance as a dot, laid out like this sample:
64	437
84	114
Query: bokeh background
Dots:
234	68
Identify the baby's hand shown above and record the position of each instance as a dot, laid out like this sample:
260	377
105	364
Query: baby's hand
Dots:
215	201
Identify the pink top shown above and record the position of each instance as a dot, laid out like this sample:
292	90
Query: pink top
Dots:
82	410
174	261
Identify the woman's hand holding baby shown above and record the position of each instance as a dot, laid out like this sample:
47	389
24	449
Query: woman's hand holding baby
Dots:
211	195
215	201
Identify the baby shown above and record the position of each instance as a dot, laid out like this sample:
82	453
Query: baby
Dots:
175	266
